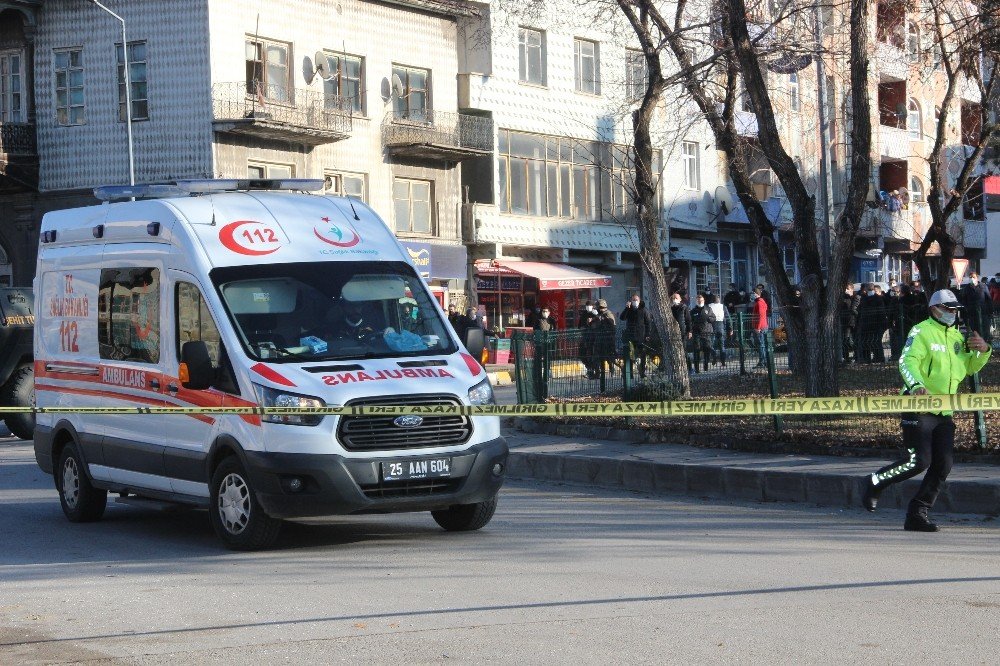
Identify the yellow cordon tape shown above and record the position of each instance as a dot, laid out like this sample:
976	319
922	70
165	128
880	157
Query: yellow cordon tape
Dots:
965	402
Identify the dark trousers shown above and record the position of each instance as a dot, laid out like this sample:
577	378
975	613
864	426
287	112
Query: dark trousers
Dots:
719	340
847	342
870	346
640	352
929	440
702	350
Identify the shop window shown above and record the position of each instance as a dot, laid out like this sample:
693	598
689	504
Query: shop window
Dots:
129	317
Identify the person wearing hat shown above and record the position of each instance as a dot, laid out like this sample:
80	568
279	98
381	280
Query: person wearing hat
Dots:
935	360
604	339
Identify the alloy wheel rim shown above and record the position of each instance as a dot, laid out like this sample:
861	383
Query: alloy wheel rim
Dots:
234	503
71	483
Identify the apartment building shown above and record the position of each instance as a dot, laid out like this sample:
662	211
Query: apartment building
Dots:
359	93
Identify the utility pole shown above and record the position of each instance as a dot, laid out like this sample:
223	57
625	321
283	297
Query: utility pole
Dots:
128	94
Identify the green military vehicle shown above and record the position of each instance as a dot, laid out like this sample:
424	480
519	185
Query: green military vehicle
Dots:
17	372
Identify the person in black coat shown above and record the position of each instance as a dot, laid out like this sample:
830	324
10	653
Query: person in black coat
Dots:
703	331
638	330
975	296
849	303
872	323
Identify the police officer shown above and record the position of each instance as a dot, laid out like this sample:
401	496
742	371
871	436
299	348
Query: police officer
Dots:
935	359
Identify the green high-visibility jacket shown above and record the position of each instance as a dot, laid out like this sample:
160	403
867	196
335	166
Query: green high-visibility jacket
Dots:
935	357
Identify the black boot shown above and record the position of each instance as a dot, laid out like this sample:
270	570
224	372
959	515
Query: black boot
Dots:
869	499
917	521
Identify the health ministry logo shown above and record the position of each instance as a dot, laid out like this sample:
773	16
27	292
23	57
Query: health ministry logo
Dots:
331	233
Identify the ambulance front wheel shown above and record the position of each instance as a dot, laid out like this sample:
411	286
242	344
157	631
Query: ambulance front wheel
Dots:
236	515
466	517
81	501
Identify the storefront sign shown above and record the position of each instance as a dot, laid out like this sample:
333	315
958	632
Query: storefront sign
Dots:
575	283
435	261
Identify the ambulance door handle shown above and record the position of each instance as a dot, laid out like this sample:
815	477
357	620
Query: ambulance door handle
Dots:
154	384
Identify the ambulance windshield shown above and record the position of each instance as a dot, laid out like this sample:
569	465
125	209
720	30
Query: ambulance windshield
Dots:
332	310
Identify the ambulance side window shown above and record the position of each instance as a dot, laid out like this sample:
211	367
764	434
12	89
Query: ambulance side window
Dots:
129	314
194	322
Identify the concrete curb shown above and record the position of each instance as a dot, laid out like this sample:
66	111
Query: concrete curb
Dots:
738	483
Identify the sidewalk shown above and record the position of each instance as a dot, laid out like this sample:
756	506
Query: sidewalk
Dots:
678	469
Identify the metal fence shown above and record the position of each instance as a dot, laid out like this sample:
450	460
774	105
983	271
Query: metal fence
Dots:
281	104
444	128
559	366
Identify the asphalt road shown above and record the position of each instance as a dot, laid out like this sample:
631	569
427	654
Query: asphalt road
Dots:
562	575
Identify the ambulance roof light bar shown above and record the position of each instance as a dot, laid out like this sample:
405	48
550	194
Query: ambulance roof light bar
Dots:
205	186
210	185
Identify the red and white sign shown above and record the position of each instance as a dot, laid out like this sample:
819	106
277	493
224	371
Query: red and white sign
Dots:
250	238
959	266
575	283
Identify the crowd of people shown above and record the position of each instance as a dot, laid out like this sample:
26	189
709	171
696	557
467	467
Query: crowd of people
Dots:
869	313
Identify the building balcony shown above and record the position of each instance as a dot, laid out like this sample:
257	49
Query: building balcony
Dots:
891	62
280	114
18	157
894	143
896	225
439	136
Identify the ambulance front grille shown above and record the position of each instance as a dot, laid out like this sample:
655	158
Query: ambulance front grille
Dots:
366	433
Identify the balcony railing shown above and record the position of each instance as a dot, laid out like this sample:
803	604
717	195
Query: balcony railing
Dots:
437	135
278	112
894	142
17	139
891	61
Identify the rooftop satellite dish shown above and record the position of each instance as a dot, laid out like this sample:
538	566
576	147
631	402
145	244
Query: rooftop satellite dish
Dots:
724	200
397	86
323	67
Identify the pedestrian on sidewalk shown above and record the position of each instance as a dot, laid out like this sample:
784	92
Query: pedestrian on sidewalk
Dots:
758	320
638	330
936	360
703	328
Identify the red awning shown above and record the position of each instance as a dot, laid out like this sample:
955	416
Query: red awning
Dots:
991	185
550	276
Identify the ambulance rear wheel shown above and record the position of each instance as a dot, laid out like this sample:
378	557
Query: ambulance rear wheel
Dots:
236	516
466	517
19	391
81	501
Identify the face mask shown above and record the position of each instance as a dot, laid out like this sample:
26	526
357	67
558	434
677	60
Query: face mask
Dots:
677	301
947	318
635	304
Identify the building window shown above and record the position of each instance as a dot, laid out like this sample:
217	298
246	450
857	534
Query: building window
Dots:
412	202
531	56
916	190
69	87
269	171
636	75
267	74
689	158
412	98
586	66
913	42
137	77
344	89
347	185
128	319
731	265
12	87
548	176
793	91
913	119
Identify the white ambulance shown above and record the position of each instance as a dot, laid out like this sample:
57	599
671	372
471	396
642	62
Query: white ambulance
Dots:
240	293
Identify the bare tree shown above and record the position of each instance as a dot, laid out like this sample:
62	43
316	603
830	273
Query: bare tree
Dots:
962	59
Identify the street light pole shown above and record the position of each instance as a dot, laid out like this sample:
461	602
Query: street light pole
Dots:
128	94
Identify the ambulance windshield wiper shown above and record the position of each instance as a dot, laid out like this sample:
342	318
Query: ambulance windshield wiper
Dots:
291	354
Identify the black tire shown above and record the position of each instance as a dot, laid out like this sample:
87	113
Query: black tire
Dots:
466	517
237	517
80	500
19	391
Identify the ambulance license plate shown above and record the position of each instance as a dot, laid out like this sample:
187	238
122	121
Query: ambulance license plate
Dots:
427	468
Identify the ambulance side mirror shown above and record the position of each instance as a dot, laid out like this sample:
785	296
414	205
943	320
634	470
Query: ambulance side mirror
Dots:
475	342
196	364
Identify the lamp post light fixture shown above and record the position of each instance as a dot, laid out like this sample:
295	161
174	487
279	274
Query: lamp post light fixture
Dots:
128	94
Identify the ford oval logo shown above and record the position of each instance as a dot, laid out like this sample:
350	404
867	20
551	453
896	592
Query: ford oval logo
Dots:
408	421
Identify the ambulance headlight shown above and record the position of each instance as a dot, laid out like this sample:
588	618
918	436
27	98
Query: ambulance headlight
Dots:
269	397
482	394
